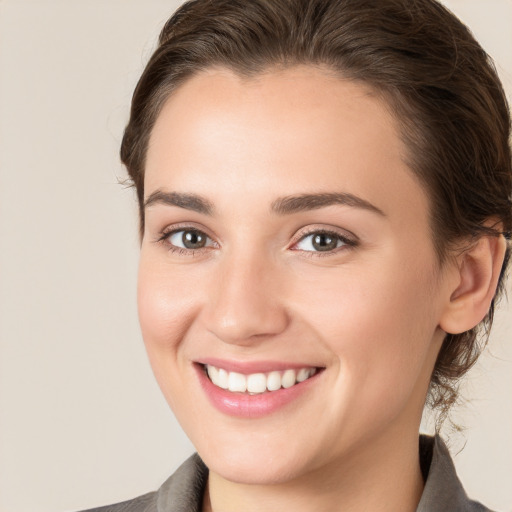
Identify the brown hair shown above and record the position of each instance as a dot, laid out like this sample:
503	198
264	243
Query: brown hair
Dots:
439	82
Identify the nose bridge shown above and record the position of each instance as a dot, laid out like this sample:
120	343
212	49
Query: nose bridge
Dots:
247	301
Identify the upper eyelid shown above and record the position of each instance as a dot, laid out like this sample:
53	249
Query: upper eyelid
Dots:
175	228
350	240
307	231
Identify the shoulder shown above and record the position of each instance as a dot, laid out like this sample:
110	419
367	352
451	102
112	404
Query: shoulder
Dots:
443	489
181	492
144	503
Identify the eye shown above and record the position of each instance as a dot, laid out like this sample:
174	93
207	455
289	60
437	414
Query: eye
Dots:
191	239
322	241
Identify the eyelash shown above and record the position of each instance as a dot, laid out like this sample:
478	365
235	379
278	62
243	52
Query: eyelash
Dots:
163	238
348	243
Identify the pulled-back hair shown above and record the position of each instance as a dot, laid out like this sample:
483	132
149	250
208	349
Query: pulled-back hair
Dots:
439	83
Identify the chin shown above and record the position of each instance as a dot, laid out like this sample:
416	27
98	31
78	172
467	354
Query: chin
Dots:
256	471
259	462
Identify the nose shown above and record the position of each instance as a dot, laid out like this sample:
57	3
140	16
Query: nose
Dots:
246	303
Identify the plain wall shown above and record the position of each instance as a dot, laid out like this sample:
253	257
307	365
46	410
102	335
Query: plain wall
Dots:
82	422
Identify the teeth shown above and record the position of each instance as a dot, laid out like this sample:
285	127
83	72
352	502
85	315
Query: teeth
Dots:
273	381
288	379
302	374
257	383
237	382
222	379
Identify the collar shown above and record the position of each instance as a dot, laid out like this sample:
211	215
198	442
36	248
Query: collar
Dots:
183	491
443	489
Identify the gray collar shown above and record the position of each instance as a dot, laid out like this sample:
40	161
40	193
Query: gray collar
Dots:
183	491
443	489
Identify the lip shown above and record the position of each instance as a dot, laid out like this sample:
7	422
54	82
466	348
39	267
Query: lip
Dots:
243	405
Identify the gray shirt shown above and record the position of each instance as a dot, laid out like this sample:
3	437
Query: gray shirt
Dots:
183	491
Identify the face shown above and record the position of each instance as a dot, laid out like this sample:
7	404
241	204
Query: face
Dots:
287	248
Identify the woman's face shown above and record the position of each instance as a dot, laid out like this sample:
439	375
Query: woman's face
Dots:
286	239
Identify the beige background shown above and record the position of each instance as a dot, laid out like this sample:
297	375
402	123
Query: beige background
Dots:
81	421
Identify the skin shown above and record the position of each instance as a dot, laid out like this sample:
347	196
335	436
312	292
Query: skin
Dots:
370	313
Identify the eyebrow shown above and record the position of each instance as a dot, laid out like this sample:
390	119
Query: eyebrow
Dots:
282	206
187	201
304	202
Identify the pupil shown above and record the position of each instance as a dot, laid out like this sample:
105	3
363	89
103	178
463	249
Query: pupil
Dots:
193	240
324	242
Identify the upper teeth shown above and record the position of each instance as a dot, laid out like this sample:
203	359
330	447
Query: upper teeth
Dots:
257	382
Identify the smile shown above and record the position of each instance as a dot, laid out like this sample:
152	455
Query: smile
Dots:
257	383
254	390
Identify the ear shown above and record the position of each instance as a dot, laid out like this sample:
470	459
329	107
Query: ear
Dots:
476	278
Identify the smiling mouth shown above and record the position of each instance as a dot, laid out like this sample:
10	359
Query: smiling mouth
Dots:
257	383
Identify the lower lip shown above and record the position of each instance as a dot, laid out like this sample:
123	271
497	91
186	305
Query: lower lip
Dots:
244	405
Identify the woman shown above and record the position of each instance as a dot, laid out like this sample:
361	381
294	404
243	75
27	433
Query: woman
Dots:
324	191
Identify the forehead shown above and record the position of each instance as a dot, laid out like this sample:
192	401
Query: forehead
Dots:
281	132
289	103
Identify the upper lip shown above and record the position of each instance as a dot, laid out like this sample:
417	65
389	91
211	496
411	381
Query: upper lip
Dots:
248	367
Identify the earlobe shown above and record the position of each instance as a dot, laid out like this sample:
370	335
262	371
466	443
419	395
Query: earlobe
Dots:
478	272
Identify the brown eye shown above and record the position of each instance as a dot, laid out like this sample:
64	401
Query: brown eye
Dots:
193	239
322	241
189	239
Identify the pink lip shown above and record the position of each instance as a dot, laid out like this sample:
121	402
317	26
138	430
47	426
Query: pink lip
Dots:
252	406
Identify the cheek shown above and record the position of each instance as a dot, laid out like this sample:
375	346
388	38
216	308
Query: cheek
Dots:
164	303
157	308
380	325
164	316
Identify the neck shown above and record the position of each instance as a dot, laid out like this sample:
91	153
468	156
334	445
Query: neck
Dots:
382	476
